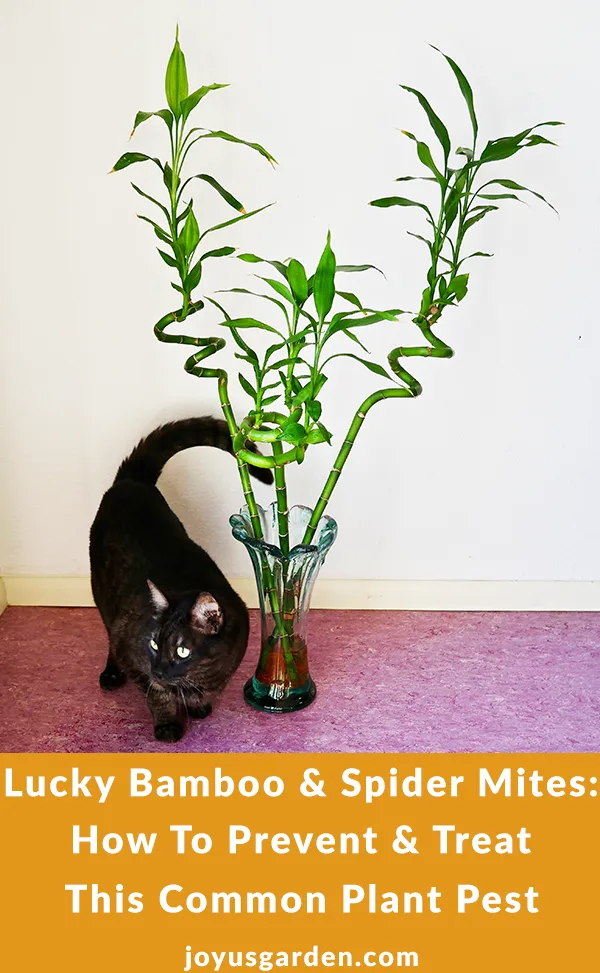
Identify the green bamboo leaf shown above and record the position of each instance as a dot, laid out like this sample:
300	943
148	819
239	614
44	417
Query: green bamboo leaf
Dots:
414	178
168	176
265	297
451	206
210	134
273	348
318	435
130	158
300	336
434	120
504	147
176	82
236	219
303	395
250	354
286	361
250	323
270	399
314	410
189	103
457	287
425	156
278	287
221	252
511	184
324	286
190	234
182	216
355	339
425	301
501	149
296	276
357	268
193	278
143	116
168	259
342	321
292	432
371	365
351	298
484	210
252	258
161	234
220	307
418	236
465	88
387	201
539	140
224	193
152	200
340	316
341	324
375	316
498	196
248	389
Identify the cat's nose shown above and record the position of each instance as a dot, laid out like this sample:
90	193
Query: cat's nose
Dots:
159	670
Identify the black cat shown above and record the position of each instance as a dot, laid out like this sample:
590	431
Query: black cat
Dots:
175	625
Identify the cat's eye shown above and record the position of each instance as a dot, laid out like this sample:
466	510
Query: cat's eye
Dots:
182	652
153	645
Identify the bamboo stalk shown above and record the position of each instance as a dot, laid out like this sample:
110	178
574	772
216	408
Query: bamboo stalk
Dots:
282	502
287	616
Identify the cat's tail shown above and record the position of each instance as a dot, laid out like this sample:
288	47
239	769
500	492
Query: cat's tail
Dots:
145	463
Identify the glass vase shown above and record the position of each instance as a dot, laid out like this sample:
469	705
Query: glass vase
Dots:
282	682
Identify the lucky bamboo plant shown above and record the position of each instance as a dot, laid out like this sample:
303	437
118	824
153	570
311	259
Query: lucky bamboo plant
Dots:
285	379
179	230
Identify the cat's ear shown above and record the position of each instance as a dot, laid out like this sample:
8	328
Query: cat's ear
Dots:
158	599
206	615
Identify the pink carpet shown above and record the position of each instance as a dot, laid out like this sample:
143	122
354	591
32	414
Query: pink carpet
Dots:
387	681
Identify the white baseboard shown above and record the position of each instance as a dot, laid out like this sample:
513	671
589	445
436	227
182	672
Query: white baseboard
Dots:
3	598
353	594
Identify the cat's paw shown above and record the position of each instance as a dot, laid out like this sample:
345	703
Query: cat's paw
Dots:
112	678
199	712
169	732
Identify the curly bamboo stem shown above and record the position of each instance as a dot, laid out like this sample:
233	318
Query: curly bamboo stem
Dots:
436	349
209	346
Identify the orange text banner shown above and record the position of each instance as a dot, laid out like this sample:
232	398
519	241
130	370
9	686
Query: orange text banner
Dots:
217	862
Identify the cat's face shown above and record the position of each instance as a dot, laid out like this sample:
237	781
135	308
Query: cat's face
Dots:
182	638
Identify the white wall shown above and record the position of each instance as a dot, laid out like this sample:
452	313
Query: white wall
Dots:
494	473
